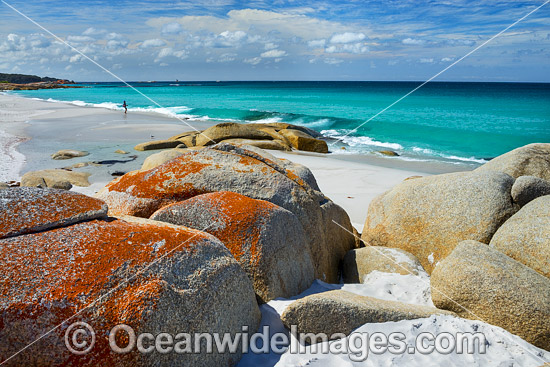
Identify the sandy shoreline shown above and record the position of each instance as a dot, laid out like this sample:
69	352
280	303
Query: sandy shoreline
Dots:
39	128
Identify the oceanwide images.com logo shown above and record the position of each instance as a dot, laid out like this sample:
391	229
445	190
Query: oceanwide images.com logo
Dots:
80	339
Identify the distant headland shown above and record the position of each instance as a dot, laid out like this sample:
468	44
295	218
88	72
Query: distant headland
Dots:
32	82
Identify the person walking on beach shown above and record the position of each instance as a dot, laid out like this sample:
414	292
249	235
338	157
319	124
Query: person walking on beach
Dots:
125	107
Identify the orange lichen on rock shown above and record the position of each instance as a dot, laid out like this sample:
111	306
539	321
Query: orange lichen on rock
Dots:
267	240
80	260
92	268
27	210
238	220
140	193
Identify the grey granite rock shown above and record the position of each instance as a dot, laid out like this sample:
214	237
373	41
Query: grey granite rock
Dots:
527	188
340	312
525	237
358	263
429	216
529	160
478	282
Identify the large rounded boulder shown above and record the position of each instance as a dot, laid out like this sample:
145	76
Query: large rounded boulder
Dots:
528	188
248	172
268	241
529	160
337	313
429	216
525	237
478	282
230	130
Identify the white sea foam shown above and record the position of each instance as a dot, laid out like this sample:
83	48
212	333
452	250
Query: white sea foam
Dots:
357	141
321	123
177	111
431	152
269	120
422	154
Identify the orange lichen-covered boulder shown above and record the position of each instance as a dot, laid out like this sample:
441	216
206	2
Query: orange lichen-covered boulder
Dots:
27	210
249	172
154	277
268	241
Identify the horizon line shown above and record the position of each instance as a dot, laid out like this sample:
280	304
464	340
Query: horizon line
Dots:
312	81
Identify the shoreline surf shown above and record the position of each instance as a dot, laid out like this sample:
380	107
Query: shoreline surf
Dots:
461	123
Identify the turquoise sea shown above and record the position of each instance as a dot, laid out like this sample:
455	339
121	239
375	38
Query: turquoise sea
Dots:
455	122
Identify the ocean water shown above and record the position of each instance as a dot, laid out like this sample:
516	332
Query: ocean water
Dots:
454	122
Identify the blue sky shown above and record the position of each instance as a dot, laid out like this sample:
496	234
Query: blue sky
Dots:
277	40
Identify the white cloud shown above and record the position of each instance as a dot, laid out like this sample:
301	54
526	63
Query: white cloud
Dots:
230	39
75	58
14	42
262	22
169	51
317	43
94	32
270	46
413	41
182	54
347	37
155	42
227	57
115	36
273	54
332	61
38	41
253	61
80	39
460	42
115	45
355	48
237	36
171	29
426	60
447	59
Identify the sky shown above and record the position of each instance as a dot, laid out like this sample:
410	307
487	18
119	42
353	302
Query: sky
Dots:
277	40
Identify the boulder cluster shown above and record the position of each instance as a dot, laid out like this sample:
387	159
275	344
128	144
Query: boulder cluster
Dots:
484	236
194	245
275	136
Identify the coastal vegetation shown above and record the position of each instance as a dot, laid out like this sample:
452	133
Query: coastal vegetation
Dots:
31	82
